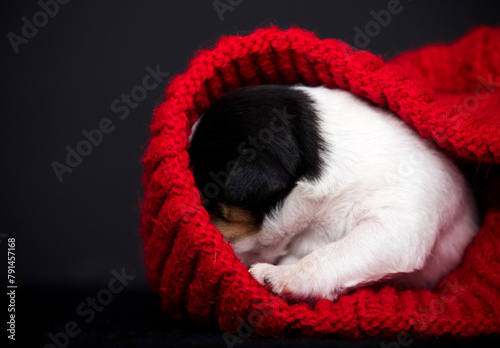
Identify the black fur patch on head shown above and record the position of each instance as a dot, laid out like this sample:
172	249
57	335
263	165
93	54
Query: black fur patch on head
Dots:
253	145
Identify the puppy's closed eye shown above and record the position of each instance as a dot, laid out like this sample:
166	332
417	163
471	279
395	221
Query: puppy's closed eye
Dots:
235	222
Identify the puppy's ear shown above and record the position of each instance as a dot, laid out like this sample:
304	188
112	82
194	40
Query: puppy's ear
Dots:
260	181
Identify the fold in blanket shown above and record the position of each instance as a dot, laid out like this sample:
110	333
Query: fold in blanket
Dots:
448	93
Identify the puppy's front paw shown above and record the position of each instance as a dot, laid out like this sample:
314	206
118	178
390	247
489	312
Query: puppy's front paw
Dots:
282	280
298	281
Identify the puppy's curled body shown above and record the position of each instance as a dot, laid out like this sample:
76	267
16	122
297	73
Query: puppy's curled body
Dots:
319	192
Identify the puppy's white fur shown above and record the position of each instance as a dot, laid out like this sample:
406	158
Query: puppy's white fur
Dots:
387	205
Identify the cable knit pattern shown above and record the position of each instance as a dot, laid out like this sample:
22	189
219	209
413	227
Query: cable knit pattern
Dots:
448	93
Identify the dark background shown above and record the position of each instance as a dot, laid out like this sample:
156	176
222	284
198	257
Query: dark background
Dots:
70	235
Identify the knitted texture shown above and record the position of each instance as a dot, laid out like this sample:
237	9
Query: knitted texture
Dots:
447	93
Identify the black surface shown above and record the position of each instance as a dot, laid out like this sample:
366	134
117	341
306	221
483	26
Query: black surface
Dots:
133	319
64	80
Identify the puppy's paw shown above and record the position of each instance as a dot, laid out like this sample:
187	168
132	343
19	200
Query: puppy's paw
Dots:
283	280
295	281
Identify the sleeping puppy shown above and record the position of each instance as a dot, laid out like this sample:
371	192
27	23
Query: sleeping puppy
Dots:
320	192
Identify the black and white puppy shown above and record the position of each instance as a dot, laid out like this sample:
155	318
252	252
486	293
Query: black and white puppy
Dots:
320	192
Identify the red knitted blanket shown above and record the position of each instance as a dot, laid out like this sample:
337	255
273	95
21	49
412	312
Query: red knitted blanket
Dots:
448	93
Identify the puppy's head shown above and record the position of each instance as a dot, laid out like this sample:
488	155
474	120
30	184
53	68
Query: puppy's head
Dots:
247	153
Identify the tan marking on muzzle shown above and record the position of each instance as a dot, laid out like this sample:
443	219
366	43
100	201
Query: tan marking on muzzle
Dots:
235	223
